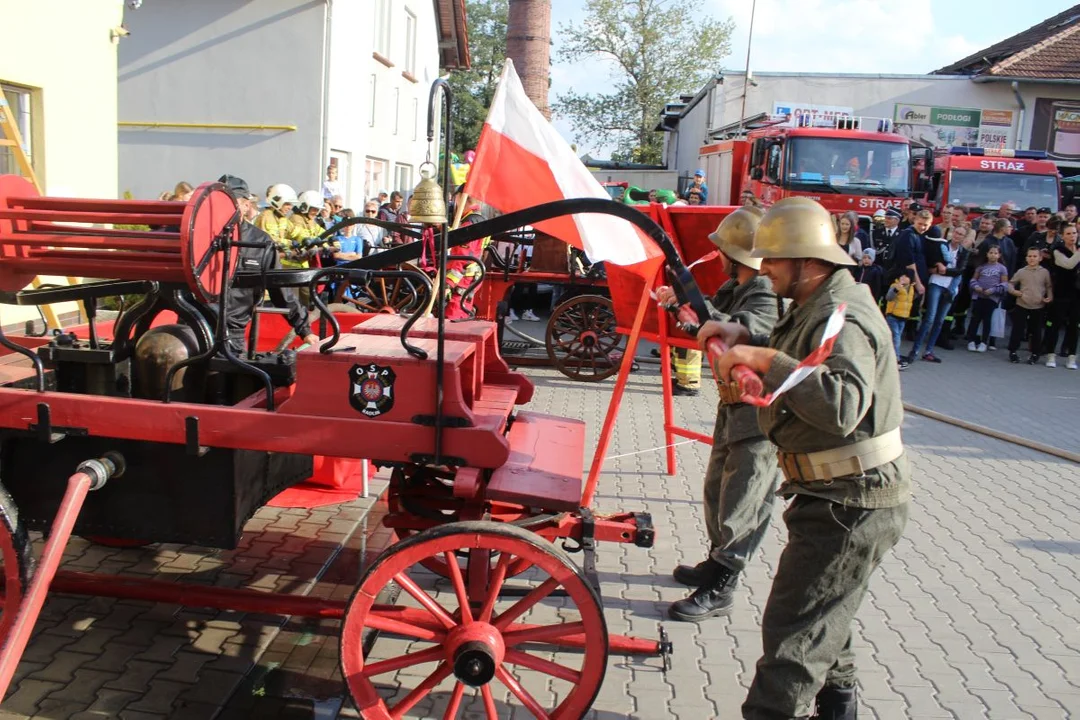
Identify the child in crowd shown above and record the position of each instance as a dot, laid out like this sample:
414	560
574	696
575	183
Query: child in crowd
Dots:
1031	286
898	309
869	274
988	286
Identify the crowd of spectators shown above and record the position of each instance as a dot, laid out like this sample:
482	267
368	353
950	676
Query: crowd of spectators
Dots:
970	278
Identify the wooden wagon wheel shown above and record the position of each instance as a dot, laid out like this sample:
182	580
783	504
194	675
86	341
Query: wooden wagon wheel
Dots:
395	296
470	638
15	555
582	340
428	494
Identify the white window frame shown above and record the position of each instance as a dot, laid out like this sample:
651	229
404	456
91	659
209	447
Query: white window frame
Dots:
403	178
374	96
374	182
410	42
415	118
397	109
383	27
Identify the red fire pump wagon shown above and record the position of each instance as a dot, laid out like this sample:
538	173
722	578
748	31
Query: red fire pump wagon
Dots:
845	163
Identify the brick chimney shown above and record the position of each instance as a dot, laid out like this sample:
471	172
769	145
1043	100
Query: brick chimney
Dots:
528	44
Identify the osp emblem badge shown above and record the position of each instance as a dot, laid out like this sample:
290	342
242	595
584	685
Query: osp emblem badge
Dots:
372	389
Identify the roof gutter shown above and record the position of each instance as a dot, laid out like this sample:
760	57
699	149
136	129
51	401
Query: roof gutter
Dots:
1011	79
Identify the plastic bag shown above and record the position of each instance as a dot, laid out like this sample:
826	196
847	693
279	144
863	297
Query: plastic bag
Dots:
997	323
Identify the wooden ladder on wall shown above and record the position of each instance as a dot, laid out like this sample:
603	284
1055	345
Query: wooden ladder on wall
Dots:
10	137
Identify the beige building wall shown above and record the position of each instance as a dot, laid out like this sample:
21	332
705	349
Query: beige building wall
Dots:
64	53
62	50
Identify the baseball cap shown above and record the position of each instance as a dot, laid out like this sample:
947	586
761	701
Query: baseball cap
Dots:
237	187
915	207
1044	210
699	173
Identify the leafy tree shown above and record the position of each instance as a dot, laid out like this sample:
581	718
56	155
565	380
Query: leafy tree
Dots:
474	89
659	49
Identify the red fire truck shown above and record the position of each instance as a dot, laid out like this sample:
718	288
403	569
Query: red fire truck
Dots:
982	179
845	163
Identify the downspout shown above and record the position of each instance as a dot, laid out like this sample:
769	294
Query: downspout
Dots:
1023	108
324	141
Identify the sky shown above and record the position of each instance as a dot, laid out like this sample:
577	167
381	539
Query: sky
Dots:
860	36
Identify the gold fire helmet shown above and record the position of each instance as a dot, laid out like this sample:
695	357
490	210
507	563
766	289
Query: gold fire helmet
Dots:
796	228
734	236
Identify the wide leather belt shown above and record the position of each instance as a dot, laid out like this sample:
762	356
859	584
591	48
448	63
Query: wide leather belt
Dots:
730	394
844	461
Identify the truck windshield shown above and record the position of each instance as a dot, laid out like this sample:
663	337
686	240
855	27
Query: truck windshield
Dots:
865	166
980	190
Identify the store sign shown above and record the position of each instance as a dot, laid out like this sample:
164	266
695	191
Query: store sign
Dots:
795	110
944	127
1056	128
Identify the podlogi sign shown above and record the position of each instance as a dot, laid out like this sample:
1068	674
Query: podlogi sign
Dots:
949	126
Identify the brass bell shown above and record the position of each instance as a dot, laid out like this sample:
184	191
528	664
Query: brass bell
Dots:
428	203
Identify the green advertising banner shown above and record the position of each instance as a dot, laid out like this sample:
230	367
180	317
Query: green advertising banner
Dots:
955	117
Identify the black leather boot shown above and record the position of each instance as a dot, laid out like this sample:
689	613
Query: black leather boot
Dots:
692	575
837	703
715	596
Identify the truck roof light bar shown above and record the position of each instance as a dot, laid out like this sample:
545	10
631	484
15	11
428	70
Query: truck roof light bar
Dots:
999	152
845	122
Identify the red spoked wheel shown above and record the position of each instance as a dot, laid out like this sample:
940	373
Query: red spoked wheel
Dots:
15	555
427	494
466	642
582	338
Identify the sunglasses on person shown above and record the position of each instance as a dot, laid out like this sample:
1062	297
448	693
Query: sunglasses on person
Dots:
370	212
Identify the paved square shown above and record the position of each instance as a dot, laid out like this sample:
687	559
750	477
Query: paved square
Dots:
975	614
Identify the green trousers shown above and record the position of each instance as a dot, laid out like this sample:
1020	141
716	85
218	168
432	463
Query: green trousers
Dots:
820	583
740	487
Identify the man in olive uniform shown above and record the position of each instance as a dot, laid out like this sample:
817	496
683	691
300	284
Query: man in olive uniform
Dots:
838	436
742	474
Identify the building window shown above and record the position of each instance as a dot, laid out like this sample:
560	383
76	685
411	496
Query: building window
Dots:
382	27
410	42
19	106
397	108
374	177
403	178
373	83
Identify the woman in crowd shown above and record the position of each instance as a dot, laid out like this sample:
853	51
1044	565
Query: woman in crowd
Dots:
1065	312
849	236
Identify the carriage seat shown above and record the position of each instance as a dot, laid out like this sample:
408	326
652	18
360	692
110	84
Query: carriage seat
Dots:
545	466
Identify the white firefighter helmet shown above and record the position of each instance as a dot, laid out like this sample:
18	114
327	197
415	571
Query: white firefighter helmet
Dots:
279	195
310	200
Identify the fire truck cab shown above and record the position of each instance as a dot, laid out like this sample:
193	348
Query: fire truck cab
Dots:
846	163
981	179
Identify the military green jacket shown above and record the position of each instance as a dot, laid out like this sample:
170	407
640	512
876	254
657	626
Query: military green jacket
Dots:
754	305
853	396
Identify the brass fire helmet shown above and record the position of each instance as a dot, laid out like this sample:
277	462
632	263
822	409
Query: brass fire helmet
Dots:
734	236
796	228
428	202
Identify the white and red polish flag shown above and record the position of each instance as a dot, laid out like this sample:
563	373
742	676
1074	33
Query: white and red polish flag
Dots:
522	161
